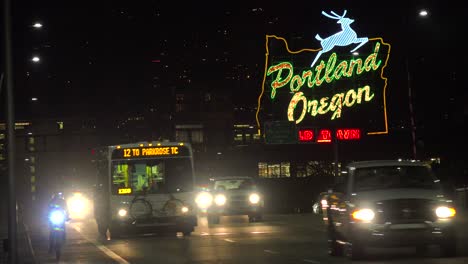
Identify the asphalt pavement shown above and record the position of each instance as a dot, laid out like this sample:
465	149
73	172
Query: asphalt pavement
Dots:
294	238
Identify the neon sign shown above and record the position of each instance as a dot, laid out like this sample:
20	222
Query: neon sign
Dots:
348	134
345	37
324	136
306	135
337	87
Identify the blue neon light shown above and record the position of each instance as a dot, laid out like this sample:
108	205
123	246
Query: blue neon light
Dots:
345	37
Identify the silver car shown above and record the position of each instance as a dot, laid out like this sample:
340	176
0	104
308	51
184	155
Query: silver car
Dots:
235	196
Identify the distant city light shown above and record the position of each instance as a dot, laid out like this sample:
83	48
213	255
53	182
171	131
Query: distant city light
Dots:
423	13
34	99
36	59
37	25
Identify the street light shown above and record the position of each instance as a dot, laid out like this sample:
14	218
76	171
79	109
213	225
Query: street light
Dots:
36	59
423	13
37	25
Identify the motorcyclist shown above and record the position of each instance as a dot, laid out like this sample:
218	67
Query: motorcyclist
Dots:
57	202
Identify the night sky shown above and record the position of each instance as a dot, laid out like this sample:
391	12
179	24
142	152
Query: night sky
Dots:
127	55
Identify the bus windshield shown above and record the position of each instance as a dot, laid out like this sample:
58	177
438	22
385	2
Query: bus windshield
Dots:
152	175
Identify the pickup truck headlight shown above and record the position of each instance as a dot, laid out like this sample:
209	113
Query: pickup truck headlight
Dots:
220	199
365	215
204	200
254	198
445	212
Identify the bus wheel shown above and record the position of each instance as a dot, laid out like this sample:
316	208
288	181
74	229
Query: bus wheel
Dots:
115	232
187	232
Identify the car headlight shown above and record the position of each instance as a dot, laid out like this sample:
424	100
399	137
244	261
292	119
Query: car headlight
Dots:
122	212
324	203
365	215
204	200
220	199
445	212
254	198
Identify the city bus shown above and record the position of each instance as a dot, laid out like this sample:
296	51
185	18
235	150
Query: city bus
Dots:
145	186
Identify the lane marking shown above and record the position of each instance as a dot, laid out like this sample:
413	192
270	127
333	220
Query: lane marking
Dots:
229	240
270	251
103	248
311	261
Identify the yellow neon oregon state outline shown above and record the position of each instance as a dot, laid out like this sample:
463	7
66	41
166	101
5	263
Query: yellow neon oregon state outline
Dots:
315	50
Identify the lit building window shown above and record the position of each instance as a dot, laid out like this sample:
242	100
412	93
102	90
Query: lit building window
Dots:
179	97
182	135
274	170
238	138
207	97
179	108
197	136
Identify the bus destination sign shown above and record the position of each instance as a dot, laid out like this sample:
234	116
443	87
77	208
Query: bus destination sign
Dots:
146	152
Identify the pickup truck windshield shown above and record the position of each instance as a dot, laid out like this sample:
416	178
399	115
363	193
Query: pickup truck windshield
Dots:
391	177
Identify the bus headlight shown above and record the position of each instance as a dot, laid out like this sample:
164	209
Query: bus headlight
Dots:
122	212
220	199
254	198
184	209
365	215
78	205
204	200
445	212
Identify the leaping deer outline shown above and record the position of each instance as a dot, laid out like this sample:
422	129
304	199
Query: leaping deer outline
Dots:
345	37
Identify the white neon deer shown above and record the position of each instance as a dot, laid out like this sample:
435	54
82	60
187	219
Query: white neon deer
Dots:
345	37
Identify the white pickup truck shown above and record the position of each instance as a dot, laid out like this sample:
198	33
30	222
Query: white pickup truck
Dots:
388	204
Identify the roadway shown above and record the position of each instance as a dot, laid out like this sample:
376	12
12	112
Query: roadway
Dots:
298	238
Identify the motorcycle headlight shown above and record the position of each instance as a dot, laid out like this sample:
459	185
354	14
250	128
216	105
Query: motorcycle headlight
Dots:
254	198
220	199
57	217
365	215
204	200
445	212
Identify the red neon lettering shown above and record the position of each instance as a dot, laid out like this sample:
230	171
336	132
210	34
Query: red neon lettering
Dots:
348	134
306	135
324	136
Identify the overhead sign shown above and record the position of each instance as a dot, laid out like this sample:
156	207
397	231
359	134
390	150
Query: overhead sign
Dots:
340	84
280	133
